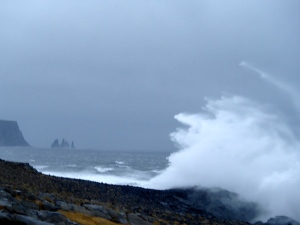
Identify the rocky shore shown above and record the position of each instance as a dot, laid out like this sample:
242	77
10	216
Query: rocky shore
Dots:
29	197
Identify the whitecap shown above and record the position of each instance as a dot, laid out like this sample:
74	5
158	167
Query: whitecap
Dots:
103	169
71	165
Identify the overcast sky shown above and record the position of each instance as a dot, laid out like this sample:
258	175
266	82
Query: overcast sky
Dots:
112	74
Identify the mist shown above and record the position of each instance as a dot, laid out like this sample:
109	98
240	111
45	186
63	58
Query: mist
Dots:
241	145
112	74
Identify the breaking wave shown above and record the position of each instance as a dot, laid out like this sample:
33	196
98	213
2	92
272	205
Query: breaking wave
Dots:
242	146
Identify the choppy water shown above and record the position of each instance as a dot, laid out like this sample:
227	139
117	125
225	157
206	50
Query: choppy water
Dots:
127	168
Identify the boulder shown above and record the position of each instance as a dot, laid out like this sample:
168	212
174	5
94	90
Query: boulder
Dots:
137	219
48	206
30	220
18	208
98	211
81	209
64	206
29	205
118	217
5	204
5	218
53	218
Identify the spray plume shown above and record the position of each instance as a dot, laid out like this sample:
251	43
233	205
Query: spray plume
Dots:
241	146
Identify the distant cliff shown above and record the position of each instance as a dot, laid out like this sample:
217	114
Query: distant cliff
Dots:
10	134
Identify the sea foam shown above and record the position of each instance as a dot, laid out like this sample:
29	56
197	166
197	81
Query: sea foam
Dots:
242	146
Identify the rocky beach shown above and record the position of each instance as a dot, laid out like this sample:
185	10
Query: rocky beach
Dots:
30	197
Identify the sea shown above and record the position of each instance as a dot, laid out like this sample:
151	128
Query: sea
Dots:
113	167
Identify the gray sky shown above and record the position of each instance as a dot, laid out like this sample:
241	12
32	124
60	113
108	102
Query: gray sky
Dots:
112	74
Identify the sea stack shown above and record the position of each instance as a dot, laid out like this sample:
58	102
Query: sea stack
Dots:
64	144
10	134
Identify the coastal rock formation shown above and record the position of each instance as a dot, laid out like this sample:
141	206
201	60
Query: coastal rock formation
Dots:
10	134
64	144
55	144
219	202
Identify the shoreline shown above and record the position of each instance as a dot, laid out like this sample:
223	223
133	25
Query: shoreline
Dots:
31	197
152	206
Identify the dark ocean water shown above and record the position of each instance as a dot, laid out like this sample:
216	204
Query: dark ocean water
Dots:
113	167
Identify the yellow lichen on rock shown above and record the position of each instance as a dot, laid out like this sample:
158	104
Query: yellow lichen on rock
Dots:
85	219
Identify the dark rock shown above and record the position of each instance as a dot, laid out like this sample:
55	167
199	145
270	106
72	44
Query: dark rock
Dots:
10	134
98	211
136	219
18	208
31	197
29	205
64	206
30	220
48	206
142	206
5	218
282	220
117	217
6	195
51	198
5	204
80	209
53	217
219	202
16	193
64	144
